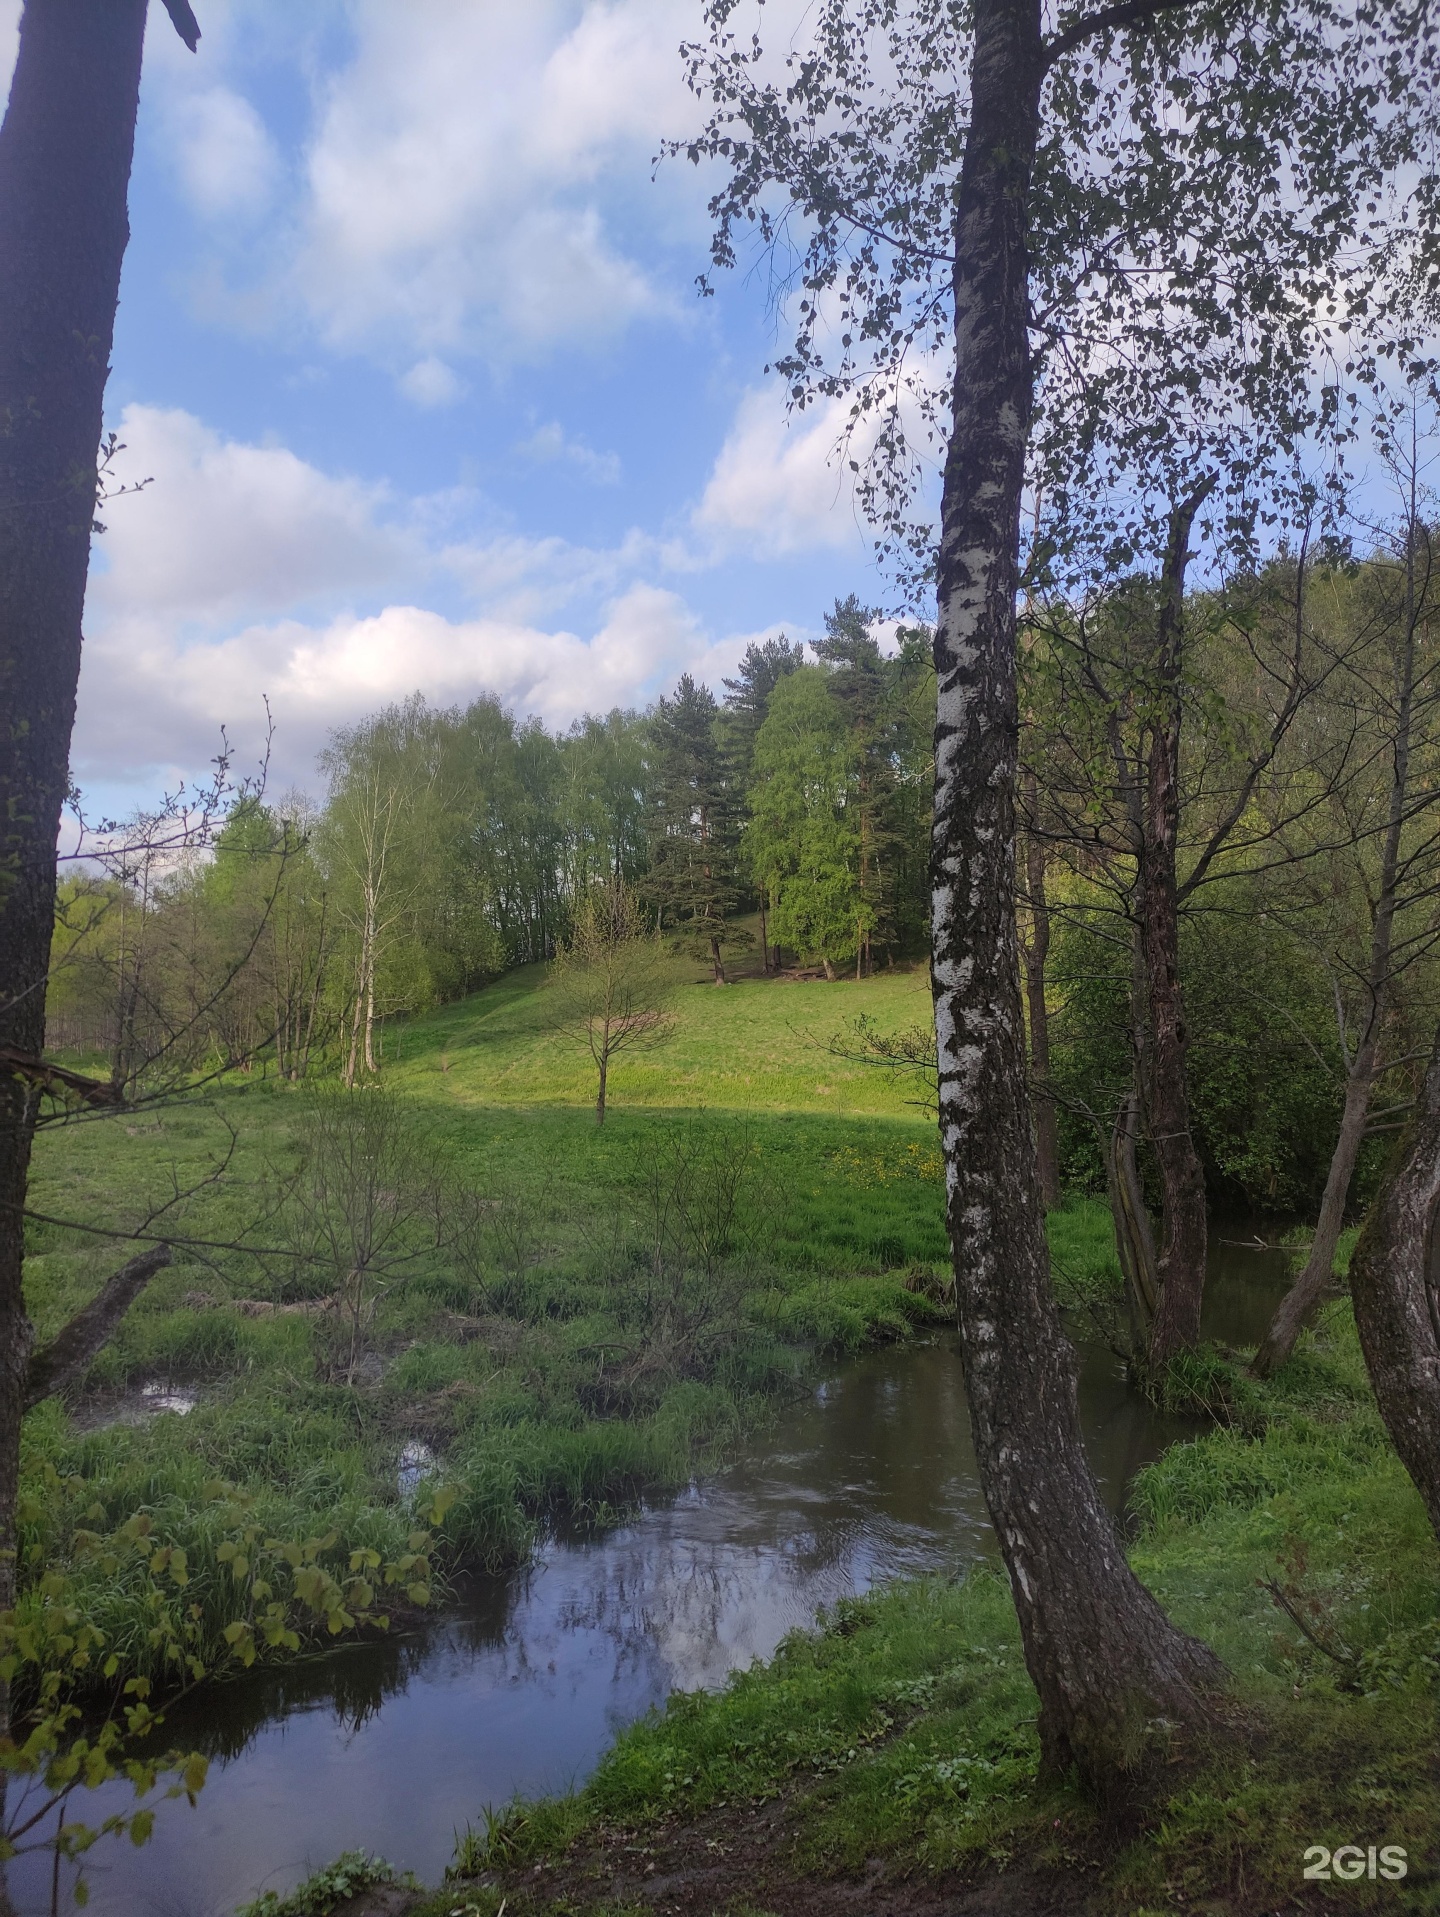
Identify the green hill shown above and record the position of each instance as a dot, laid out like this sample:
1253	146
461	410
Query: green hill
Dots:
571	1370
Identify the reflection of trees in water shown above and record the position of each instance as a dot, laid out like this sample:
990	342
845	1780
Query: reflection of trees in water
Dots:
684	1610
876	1481
1244	1282
354	1681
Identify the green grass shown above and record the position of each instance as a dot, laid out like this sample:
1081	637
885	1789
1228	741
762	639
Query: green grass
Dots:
903	1730
757	1045
513	1389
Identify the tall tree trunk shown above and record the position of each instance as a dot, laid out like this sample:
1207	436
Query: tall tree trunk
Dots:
1395	1283
367	982
1037	953
352	1061
65	152
1134	1239
1183	1222
1298	1305
764	936
1104	1659
604	1063
716	960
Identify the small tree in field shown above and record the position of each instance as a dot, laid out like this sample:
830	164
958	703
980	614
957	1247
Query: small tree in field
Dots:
609	980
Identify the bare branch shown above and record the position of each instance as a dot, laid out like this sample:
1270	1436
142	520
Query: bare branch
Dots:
185	23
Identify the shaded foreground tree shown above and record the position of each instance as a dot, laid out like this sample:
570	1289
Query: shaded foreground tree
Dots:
945	178
1385	837
65	153
610	981
1395	1284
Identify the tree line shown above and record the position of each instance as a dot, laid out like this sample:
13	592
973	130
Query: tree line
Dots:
454	844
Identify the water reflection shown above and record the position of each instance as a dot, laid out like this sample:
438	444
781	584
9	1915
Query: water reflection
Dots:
395	1745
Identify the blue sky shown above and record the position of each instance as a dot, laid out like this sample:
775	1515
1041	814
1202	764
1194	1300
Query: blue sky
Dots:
410	345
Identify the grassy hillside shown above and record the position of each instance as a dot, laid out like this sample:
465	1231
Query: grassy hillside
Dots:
756	1045
555	1376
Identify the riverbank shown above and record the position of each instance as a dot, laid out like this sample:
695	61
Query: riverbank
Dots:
887	1762
578	1356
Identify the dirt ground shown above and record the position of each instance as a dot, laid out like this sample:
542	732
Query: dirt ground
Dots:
745	1858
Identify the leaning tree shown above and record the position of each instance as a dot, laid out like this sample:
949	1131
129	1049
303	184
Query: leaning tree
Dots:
1001	224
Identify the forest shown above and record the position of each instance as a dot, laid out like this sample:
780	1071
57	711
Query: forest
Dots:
816	1289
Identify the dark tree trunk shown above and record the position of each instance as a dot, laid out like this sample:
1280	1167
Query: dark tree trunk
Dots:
717	961
1037	953
65	152
1395	1283
1183	1221
68	1356
1134	1239
1104	1659
1299	1304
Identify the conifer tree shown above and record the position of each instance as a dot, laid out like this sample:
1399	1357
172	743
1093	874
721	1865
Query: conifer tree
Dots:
747	700
693	879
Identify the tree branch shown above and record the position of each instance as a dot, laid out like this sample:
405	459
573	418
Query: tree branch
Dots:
41	1072
69	1353
1128	13
184	21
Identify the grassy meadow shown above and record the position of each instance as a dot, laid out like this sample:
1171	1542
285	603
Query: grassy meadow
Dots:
539	1383
897	1740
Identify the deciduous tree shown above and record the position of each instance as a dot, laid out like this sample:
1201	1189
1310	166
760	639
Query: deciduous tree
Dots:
967	190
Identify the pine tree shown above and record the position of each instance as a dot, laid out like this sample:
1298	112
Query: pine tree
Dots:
803	840
747	700
693	879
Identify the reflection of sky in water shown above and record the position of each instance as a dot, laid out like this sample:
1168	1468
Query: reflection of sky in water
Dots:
393	1747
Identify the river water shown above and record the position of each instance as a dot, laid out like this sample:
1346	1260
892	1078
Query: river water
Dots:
394	1746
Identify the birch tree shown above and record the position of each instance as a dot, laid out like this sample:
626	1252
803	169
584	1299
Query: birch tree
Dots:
967	198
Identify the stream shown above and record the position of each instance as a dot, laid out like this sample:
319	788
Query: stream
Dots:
395	1745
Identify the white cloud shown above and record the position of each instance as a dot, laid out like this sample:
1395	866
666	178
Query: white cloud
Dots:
550	443
226	160
781	483
431	383
228	529
456	176
149	699
235	578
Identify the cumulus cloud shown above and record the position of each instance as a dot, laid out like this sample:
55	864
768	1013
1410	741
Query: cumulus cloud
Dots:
244	573
781	483
455	179
431	383
225	528
149	698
